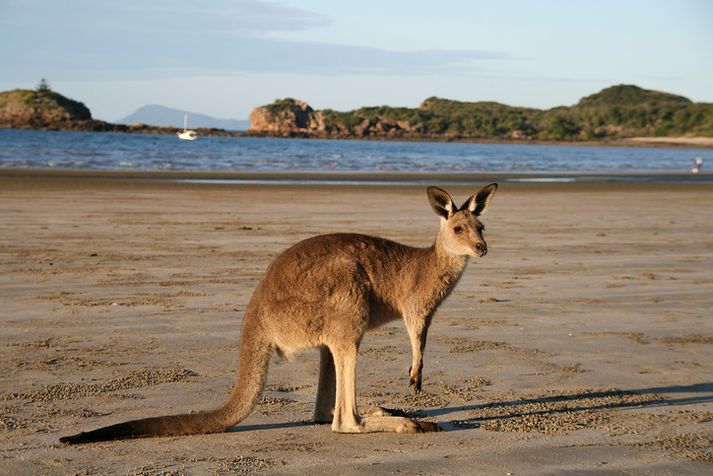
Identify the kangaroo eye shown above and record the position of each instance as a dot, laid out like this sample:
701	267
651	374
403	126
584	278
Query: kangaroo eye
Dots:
458	230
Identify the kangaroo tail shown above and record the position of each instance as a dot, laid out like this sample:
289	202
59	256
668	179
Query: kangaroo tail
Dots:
252	372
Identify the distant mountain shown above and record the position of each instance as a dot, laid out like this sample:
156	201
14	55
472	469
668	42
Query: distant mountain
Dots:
156	115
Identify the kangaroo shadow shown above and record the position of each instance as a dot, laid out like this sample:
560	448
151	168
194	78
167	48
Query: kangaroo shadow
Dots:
596	400
581	401
271	426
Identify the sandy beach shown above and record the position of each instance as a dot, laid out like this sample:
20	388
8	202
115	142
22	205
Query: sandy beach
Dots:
673	141
582	342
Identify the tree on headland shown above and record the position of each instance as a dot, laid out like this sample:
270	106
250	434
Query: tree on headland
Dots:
43	86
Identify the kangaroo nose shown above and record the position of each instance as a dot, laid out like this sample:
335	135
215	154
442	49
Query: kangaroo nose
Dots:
482	249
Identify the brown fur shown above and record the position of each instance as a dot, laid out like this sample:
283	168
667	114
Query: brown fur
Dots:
326	292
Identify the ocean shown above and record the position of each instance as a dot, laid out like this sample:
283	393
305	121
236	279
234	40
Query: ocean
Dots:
136	152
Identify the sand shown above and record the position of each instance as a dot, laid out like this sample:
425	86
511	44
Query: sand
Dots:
680	141
581	343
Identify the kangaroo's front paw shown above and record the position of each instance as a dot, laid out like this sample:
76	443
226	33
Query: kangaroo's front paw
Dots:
415	381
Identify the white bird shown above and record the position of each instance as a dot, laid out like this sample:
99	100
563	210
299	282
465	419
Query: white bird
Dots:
697	165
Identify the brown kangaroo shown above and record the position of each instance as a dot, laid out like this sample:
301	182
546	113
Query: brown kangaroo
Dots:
326	292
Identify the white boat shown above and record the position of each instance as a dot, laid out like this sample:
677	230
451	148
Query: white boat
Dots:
186	134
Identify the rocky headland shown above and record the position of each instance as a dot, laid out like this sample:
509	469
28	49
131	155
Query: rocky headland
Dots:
618	112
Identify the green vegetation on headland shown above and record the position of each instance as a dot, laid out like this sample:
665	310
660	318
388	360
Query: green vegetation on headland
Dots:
24	107
613	114
43	108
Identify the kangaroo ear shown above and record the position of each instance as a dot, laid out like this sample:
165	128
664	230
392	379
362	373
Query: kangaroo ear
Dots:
478	202
441	202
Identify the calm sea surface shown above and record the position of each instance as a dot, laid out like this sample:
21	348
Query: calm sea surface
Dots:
107	151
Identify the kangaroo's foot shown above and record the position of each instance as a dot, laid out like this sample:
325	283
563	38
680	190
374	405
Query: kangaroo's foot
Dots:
389	424
323	416
397	424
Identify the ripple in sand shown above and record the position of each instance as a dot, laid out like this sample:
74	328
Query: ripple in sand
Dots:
127	380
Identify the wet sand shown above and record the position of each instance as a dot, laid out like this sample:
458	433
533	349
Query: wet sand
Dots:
680	141
581	342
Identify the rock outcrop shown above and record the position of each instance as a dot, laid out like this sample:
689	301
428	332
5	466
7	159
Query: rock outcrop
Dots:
24	108
294	118
286	116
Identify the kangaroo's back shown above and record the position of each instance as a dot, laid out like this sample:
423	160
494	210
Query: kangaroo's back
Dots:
383	259
327	278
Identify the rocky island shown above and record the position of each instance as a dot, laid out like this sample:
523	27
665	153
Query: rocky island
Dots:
617	112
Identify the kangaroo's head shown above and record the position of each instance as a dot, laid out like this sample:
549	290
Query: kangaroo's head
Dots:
461	231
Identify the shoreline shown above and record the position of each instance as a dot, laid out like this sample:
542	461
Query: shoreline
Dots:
641	142
359	179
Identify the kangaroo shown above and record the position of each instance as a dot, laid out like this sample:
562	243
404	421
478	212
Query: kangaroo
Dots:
326	292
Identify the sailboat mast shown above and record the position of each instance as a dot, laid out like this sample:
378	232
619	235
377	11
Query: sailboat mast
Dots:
185	122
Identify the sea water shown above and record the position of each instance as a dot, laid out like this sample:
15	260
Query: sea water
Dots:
111	151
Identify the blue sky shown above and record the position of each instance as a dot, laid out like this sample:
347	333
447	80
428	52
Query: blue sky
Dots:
224	57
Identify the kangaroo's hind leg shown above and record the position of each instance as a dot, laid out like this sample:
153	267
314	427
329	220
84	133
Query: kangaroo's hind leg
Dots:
346	417
326	388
